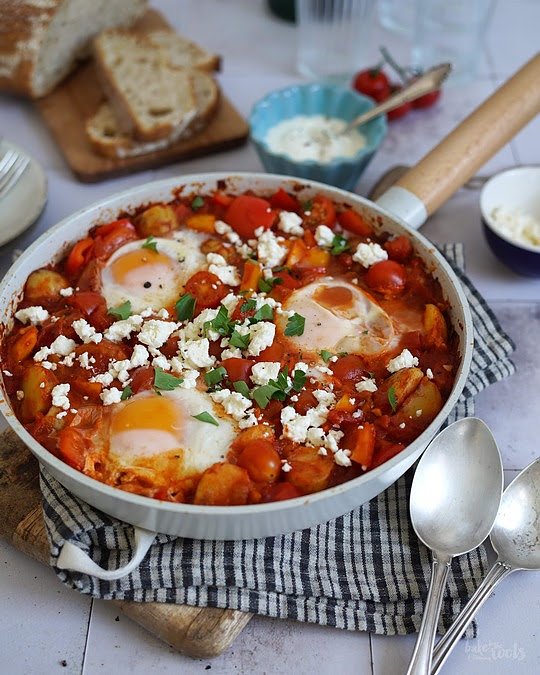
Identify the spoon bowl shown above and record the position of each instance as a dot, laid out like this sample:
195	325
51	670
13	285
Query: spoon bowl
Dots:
455	496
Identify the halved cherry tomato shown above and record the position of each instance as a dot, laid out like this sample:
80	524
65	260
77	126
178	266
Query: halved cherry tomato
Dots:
354	222
349	369
388	277
321	212
90	389
280	491
261	460
238	369
78	256
386	452
399	248
207	290
87	301
246	214
272	353
142	379
72	447
372	82
283	200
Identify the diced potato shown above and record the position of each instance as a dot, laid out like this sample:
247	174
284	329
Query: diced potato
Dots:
157	221
402	383
219	247
37	384
252	434
202	222
223	485
423	405
43	285
435	328
310	471
24	343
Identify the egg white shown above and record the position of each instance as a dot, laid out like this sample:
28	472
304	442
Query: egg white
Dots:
161	434
179	259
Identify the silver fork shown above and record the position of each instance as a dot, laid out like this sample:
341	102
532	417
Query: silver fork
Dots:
12	167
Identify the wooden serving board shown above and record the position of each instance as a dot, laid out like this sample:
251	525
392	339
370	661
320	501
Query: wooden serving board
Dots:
66	109
196	632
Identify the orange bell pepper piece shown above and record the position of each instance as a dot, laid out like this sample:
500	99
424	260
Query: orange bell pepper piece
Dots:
296	252
202	222
251	276
363	445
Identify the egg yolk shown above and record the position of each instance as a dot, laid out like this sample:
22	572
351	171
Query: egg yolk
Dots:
127	268
155	413
339	297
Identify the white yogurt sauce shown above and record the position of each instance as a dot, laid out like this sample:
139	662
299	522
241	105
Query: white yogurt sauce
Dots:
314	137
521	227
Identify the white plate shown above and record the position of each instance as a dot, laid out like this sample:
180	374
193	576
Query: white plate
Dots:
25	201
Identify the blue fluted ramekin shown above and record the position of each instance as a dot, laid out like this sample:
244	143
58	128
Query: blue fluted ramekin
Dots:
513	189
316	99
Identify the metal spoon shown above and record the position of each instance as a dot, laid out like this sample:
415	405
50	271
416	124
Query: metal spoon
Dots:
455	496
429	81
516	540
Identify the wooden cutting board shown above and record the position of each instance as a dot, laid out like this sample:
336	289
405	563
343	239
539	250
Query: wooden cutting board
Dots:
66	109
196	632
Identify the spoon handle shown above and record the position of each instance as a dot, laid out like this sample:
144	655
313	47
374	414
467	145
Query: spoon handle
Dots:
429	81
421	658
448	641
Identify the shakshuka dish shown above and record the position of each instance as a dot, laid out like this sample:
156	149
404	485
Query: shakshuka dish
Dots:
231	350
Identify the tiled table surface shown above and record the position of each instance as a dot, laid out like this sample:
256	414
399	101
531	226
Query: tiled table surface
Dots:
46	628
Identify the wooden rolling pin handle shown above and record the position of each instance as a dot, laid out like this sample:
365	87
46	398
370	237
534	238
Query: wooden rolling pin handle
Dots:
451	163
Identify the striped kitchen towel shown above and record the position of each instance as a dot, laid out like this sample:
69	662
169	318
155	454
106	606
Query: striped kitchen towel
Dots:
365	570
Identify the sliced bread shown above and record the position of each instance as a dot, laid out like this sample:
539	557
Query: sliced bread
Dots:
181	52
150	99
42	41
107	139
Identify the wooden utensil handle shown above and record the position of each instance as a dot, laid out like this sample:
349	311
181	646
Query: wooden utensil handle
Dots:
451	163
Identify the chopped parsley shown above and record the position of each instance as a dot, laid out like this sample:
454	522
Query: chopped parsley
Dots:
326	355
213	377
298	380
275	389
126	393
392	398
197	203
221	323
248	306
150	243
185	307
240	341
339	245
241	387
123	311
164	381
295	325
266	285
307	205
206	417
262	395
264	313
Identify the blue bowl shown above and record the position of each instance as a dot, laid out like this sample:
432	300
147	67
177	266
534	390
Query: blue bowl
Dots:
316	99
513	189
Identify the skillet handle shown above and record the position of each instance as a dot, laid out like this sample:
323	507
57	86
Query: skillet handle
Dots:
450	164
75	559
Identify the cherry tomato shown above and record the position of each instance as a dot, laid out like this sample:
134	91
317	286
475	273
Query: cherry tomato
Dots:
111	236
261	460
401	110
372	82
280	491
387	277
272	353
399	248
142	379
320	212
245	214
78	256
427	100
349	368
238	369
86	301
354	222
283	200
72	447
207	290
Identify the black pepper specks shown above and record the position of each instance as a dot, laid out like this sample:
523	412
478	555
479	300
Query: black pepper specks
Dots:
147	284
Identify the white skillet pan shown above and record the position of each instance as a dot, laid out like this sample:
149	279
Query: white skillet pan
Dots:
401	209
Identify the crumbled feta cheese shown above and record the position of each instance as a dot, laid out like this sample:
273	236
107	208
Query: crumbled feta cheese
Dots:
161	362
48	365
264	371
110	396
262	336
139	356
61	414
230	301
195	353
403	360
123	328
269	251
290	223
42	385
62	346
103	378
34	315
301	366
285	466
119	370
419	412
341	458
60	396
402	425
429	374
147	312
324	236
68	360
7	373
84	360
322	451
155	332
295	426
366	384
20	394
227	274
86	332
163	314
248	421
231	353
189	379
66	292
233	402
332	439
325	398
369	254
315	437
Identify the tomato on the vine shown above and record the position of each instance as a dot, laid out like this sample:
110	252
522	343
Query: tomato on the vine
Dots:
401	110
372	82
427	100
